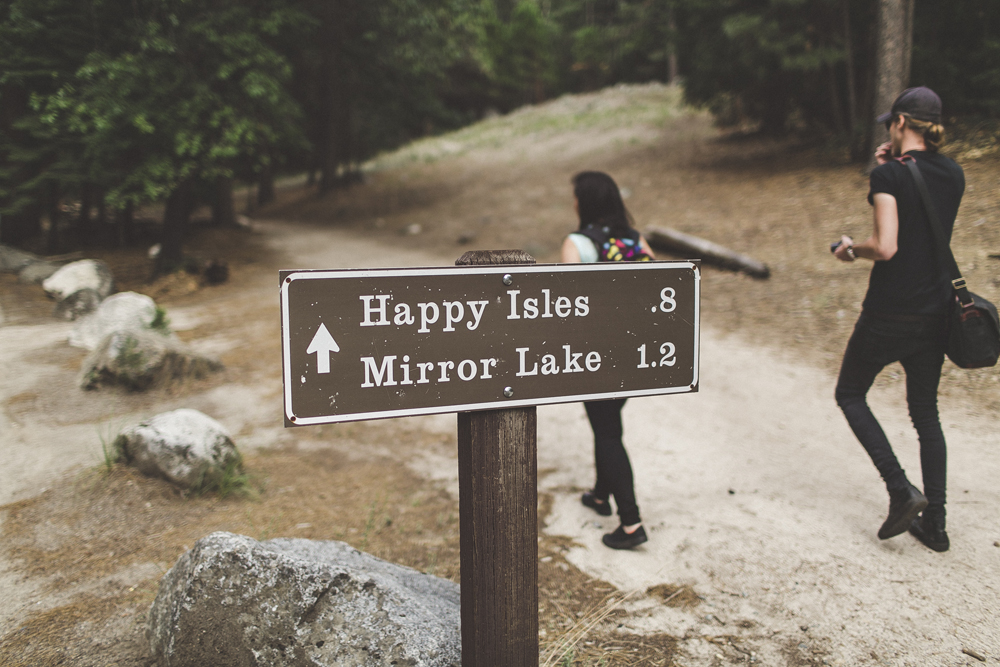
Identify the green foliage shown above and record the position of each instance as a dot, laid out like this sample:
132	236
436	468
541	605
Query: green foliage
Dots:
519	55
197	92
956	51
111	446
233	481
769	61
140	101
160	323
138	97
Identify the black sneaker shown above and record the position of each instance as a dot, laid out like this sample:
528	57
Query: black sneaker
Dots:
601	507
930	531
904	506
622	540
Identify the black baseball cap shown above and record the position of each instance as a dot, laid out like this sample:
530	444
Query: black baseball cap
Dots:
921	103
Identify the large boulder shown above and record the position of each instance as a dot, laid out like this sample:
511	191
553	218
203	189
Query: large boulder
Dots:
185	447
291	602
12	259
137	360
79	287
125	311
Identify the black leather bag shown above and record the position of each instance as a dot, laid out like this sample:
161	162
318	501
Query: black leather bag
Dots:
973	327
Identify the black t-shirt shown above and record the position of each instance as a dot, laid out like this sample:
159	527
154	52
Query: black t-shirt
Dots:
914	281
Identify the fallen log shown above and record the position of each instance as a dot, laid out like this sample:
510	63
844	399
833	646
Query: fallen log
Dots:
693	247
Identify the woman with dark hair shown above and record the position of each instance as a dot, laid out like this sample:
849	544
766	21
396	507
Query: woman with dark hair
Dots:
606	233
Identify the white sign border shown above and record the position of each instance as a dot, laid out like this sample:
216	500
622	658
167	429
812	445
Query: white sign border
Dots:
325	274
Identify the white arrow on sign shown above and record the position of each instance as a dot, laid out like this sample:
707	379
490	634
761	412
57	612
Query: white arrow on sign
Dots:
322	345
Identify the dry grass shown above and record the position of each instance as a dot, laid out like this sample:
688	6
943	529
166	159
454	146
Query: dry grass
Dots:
98	524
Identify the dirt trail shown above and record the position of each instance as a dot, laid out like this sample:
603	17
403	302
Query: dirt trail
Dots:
761	506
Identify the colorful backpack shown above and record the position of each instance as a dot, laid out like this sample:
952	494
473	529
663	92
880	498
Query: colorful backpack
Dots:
616	248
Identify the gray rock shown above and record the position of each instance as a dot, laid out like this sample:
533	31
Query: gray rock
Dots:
185	447
86	279
137	360
85	273
12	259
77	304
38	272
290	602
125	311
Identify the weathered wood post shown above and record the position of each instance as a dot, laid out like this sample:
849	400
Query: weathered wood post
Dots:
498	506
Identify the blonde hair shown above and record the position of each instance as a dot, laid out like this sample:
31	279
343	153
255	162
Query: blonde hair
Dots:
933	133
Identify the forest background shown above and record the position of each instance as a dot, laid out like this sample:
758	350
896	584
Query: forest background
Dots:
108	106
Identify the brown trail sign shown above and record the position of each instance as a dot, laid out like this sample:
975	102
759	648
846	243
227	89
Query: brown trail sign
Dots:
490	339
366	344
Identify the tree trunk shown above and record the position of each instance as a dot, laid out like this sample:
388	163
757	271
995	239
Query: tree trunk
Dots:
84	223
890	64
223	210
671	45
908	44
52	242
335	116
852	96
125	224
180	205
265	185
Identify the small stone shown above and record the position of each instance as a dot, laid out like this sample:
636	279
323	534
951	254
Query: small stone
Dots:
125	311
37	272
138	360
84	274
185	447
413	229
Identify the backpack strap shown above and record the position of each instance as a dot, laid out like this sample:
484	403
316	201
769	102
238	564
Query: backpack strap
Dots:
598	235
941	241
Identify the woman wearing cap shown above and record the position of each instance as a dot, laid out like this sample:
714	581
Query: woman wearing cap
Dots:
903	316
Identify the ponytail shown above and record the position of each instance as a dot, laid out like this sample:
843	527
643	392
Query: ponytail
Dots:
933	133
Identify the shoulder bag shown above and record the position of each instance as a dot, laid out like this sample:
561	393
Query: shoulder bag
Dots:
973	325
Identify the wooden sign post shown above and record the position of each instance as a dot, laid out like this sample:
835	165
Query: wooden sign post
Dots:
498	517
489	343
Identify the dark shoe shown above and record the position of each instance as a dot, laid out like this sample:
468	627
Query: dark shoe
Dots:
601	507
904	506
622	540
930	531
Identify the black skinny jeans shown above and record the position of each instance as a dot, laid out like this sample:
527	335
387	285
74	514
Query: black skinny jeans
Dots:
918	343
614	471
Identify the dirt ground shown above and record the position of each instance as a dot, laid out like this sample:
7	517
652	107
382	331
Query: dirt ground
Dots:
761	508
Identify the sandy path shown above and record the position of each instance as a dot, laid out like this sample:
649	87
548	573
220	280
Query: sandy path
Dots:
754	492
794	546
758	495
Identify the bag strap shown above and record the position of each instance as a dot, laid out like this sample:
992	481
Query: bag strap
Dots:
943	248
596	234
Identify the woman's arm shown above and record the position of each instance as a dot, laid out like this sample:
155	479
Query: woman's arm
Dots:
645	246
883	242
570	255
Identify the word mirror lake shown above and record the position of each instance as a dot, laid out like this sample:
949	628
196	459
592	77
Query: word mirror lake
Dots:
376	343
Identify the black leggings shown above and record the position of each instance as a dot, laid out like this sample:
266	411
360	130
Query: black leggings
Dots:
614	471
918	344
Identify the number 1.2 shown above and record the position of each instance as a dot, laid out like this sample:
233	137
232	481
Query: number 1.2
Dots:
668	350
